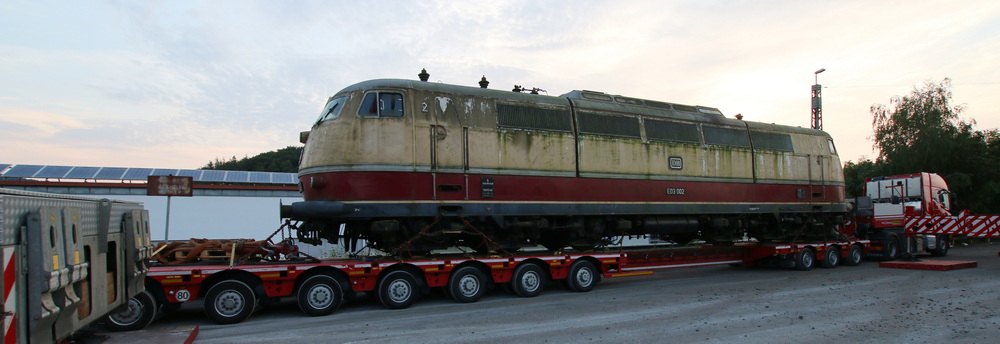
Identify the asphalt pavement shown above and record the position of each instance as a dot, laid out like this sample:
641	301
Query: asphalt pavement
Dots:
708	304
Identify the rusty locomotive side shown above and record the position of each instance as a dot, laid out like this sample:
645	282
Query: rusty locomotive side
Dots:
411	166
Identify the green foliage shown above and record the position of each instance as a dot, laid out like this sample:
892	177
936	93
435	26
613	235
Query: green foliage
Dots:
923	132
282	160
856	173
914	132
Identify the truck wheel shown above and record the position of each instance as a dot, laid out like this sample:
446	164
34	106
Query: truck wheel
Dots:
467	284
137	313
942	248
229	302
397	289
831	258
582	276
529	280
805	260
891	249
854	256
320	295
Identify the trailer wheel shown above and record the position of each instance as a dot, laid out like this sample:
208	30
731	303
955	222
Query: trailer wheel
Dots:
805	260
320	295
529	280
582	276
398	289
138	312
466	284
831	258
942	247
854	256
169	308
229	302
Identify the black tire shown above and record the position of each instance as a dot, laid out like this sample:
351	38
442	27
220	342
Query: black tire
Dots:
890	251
529	280
583	276
854	256
168	309
467	284
942	247
805	260
831	258
398	289
230	302
137	313
320	295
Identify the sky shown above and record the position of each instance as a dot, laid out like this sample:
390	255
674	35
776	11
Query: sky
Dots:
176	84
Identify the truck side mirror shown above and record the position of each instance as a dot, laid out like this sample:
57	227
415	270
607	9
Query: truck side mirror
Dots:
946	198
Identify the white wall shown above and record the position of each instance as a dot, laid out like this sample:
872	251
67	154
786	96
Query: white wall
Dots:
211	217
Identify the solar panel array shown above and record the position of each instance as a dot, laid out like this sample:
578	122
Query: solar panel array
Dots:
122	173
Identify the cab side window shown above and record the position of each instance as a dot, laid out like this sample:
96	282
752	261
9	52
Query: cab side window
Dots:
381	104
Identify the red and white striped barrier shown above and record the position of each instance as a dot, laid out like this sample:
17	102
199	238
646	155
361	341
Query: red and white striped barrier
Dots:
979	226
9	298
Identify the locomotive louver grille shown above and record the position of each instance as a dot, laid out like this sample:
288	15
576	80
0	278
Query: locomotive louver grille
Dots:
773	141
592	123
670	131
533	118
726	137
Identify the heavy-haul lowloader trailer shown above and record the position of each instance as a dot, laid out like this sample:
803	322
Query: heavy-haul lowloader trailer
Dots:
68	261
231	293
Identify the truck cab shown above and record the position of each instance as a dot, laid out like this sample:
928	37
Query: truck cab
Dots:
887	199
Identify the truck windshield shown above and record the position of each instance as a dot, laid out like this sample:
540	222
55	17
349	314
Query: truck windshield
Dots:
332	110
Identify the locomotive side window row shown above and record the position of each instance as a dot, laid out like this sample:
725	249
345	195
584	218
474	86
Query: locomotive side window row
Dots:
672	131
536	118
381	104
726	137
772	141
592	123
527	117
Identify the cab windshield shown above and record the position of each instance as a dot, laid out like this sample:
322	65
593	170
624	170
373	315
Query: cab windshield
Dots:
332	110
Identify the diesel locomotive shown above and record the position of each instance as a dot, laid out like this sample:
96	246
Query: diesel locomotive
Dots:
413	166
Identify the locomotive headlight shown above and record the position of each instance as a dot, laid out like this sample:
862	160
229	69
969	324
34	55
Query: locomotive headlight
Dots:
317	182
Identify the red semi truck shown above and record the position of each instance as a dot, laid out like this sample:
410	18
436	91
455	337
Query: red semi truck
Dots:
881	214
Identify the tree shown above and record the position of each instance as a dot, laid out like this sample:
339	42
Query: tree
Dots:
281	160
856	173
914	133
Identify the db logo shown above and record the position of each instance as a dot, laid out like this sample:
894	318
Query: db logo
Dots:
676	163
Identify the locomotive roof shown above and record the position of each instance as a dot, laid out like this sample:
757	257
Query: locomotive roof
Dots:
589	99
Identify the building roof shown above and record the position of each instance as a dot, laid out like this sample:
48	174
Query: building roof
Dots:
135	174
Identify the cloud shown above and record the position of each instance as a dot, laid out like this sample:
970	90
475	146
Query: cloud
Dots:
186	82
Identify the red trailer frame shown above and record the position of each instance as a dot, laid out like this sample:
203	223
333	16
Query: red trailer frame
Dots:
230	292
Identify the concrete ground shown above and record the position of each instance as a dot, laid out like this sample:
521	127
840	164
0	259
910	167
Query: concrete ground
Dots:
709	304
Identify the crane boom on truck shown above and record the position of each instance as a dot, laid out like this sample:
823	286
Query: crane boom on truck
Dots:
68	261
